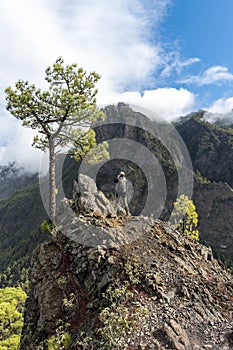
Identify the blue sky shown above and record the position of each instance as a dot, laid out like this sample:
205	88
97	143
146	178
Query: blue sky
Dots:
170	56
203	29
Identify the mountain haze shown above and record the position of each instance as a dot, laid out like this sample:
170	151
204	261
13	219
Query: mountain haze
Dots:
13	178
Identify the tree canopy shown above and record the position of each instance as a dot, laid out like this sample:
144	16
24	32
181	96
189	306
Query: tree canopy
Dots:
185	217
11	317
62	115
68	102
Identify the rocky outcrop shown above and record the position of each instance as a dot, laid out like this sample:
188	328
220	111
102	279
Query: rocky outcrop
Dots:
87	198
141	286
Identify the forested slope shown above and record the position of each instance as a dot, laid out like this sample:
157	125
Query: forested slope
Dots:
20	219
14	178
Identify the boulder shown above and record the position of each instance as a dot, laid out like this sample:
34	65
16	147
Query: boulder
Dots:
88	199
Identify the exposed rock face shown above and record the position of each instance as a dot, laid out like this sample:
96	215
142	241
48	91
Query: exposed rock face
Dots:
214	202
140	285
87	198
210	147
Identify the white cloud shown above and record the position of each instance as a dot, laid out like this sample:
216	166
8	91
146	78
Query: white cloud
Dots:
167	102
111	37
31	39
175	63
226	118
118	38
222	105
16	144
213	75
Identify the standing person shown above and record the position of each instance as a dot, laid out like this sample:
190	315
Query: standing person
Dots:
121	192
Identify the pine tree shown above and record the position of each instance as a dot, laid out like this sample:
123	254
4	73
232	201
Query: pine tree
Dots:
185	217
61	115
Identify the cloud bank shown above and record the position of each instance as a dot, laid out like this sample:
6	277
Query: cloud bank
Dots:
166	102
119	39
222	105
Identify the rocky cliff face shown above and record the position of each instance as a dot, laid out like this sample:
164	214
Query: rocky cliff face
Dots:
214	202
107	282
210	147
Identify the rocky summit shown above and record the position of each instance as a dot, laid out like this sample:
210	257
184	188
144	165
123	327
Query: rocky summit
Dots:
104	281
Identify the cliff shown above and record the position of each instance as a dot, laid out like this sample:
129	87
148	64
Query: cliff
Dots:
126	282
209	146
214	203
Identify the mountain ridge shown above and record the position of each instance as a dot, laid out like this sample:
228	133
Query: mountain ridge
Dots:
215	226
138	285
210	147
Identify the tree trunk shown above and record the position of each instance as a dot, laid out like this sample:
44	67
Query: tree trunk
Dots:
52	181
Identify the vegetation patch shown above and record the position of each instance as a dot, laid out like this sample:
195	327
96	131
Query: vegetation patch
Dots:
12	302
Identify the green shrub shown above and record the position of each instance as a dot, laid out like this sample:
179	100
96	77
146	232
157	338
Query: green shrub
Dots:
123	317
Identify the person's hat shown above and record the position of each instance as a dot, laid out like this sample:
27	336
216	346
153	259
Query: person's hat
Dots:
122	173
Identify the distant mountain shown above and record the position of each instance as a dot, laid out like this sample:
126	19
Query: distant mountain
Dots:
214	203
211	151
14	178
210	146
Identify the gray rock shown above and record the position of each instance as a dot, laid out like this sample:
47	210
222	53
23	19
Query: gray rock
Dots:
88	200
176	335
86	186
